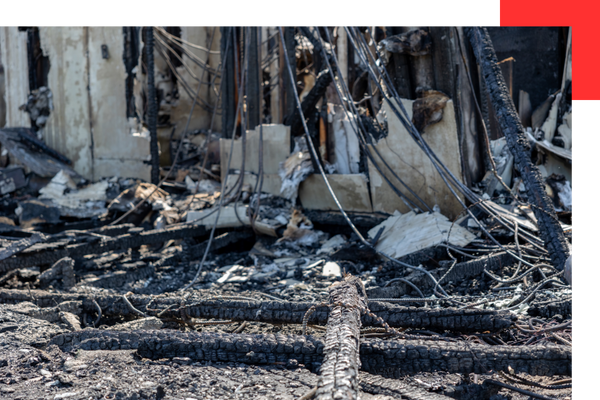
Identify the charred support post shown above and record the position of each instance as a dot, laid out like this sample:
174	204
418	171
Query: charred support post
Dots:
228	84
152	106
504	108
339	372
253	95
309	104
290	45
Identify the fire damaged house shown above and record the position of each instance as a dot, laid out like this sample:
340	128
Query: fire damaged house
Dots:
285	212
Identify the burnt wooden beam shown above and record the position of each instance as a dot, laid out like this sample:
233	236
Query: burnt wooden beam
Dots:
228	82
49	253
518	144
388	358
289	33
152	115
309	104
253	95
20	245
341	363
277	312
378	385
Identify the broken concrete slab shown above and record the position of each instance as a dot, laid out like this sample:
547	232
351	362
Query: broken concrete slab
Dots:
413	166
406	233
351	190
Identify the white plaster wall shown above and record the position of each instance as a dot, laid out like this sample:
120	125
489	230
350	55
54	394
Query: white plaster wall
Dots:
116	151
90	126
13	53
68	128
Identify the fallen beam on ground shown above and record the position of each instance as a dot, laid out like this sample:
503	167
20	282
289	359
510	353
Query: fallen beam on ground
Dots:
277	312
339	372
378	385
389	358
49	253
518	144
20	245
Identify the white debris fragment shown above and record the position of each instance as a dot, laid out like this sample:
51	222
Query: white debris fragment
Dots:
406	233
332	244
332	268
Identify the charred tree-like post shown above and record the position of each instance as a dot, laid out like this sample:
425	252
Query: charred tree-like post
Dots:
152	106
228	85
504	108
253	95
290	45
339	372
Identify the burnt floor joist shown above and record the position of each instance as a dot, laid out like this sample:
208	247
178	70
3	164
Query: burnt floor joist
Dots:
338	376
388	358
277	312
49	253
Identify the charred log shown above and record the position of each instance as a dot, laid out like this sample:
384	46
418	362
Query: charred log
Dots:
387	358
375	384
339	372
278	312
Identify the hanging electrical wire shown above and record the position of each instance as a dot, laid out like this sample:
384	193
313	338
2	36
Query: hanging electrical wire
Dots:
221	198
359	129
181	80
445	174
330	190
179	147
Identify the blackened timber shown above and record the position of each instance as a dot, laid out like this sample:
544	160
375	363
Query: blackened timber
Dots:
20	245
388	358
49	253
339	371
278	312
518	144
289	35
254	80
309	104
375	384
228	82
152	116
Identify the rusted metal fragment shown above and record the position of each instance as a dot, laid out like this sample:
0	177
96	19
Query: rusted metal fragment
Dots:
339	372
389	358
468	320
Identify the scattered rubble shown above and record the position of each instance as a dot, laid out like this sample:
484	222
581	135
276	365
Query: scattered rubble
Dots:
371	259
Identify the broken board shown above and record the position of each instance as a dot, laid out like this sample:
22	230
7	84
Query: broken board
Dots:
413	166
